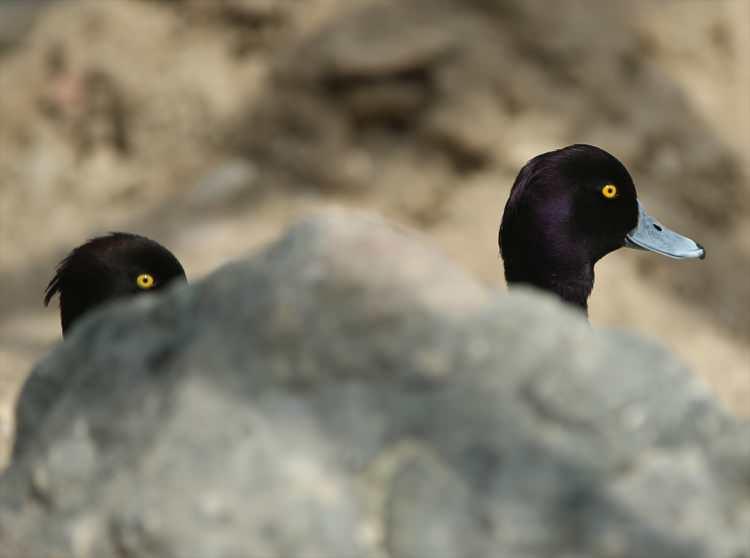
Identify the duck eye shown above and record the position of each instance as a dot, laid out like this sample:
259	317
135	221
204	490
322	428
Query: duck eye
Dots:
609	191
145	281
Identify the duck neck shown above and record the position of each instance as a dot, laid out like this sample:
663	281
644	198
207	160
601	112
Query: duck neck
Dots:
573	285
574	290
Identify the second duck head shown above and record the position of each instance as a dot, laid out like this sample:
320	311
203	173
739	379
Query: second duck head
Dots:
110	267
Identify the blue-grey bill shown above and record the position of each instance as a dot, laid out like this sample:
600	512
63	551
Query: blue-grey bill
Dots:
651	235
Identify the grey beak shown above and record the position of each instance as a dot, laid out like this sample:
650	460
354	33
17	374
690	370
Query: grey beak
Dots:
651	235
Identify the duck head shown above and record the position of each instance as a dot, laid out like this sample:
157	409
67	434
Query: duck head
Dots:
569	208
109	267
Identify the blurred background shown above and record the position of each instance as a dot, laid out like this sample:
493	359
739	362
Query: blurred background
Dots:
209	125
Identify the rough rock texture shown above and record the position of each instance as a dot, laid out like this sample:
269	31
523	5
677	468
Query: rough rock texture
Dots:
349	392
201	122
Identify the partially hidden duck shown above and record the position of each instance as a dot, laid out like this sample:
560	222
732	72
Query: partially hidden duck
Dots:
110	267
567	209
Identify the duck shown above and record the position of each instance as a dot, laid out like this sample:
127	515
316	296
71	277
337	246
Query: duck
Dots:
109	267
567	209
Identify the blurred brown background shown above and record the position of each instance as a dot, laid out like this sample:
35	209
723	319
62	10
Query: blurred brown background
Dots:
209	125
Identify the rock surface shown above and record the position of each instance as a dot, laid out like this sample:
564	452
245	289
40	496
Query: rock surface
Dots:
198	122
349	392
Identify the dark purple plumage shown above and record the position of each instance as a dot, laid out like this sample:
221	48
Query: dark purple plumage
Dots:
108	267
557	223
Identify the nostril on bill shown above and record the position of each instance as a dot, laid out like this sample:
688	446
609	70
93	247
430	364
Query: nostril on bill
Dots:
657	227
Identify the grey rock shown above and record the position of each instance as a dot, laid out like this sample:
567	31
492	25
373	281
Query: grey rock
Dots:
350	392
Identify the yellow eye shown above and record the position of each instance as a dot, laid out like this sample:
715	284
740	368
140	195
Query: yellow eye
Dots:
145	281
609	191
